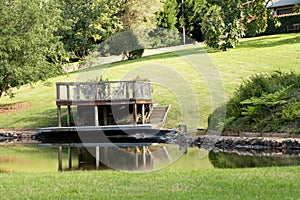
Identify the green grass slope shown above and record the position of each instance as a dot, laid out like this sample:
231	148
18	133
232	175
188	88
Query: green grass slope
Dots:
253	55
256	183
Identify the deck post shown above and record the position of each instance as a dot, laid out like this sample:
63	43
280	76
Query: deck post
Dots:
70	157
143	113
167	154
105	155
59	116
151	156
136	160
60	158
144	157
135	113
97	157
96	116
68	115
104	115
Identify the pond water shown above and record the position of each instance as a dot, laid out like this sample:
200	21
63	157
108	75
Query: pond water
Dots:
45	159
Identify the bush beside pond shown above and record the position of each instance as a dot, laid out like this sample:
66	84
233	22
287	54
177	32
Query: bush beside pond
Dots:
268	102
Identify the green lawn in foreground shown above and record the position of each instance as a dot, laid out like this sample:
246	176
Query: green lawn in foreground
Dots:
253	55
257	183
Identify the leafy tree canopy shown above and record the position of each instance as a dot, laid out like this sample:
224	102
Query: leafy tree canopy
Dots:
28	48
87	23
231	18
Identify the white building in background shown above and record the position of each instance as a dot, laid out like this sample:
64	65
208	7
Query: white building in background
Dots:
283	7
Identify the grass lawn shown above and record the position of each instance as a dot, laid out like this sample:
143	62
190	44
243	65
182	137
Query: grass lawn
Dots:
178	81
256	183
183	179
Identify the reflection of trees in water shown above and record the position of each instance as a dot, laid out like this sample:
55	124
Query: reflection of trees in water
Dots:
240	159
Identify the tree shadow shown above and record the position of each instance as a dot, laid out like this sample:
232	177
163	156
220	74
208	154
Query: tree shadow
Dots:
268	42
46	118
160	55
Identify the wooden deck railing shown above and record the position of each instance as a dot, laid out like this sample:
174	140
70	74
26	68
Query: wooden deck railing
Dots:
108	90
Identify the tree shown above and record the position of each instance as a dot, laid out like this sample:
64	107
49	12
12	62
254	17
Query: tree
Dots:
234	17
139	14
296	8
87	23
126	43
191	17
167	17
29	51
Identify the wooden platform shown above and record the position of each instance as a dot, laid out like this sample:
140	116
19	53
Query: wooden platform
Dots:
104	134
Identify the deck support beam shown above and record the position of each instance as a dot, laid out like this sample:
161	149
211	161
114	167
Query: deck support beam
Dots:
96	116
70	157
68	115
97	157
167	154
60	158
143	113
144	157
135	113
136	160
59	116
104	115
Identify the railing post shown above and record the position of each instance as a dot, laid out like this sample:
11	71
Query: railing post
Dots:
134	89
68	91
57	91
59	116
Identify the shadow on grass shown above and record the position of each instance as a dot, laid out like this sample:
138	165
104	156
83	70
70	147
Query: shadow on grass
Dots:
268	42
46	118
159	56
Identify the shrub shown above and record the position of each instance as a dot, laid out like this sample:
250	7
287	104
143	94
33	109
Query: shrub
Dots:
264	103
276	25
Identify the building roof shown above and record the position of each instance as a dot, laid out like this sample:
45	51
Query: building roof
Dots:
282	3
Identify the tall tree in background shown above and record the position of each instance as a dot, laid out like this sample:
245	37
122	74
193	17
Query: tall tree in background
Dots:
87	23
137	14
190	17
167	17
231	18
29	50
166	32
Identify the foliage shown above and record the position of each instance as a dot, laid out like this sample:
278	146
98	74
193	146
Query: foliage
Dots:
161	37
253	55
265	103
214	26
233	18
191	17
279	25
296	8
86	23
167	17
137	14
29	51
126	43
